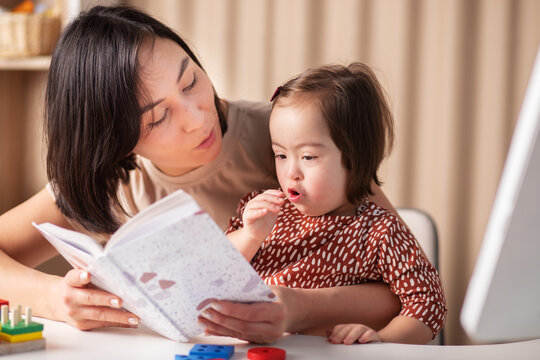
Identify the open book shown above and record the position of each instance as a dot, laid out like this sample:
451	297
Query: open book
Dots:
167	264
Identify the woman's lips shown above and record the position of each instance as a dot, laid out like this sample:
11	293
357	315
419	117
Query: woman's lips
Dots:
208	142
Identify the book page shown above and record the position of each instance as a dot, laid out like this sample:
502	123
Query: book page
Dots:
159	214
78	249
181	268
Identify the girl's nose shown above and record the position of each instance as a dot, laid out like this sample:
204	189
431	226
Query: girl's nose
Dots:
295	173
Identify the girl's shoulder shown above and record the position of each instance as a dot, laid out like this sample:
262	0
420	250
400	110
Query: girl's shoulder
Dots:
372	210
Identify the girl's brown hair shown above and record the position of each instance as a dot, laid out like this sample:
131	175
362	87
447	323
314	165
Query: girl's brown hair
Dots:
354	105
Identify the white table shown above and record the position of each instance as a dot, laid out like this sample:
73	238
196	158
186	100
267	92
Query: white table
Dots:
65	342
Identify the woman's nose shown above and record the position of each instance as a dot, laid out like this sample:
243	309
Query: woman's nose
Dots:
192	119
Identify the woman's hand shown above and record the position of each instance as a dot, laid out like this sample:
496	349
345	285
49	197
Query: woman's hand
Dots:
86	307
308	311
262	322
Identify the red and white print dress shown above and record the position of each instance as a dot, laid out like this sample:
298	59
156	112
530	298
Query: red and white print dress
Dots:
327	251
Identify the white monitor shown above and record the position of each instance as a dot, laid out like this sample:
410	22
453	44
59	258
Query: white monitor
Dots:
503	299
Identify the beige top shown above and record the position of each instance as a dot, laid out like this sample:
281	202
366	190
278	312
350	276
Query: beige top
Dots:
244	164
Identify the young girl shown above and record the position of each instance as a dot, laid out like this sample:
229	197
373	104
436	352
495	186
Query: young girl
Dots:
330	128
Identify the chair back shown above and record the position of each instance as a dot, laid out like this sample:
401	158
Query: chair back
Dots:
423	228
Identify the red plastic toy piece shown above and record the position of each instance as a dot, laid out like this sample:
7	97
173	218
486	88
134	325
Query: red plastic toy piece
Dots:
266	353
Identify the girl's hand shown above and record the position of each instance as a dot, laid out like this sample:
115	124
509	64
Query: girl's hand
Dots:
261	213
261	322
350	333
86	307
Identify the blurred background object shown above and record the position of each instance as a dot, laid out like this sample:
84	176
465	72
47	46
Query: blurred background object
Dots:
455	72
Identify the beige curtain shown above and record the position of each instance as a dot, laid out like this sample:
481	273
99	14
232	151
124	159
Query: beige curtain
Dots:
455	71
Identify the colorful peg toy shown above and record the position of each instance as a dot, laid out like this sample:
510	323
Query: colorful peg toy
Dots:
18	334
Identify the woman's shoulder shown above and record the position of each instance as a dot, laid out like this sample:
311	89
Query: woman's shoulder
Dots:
244	111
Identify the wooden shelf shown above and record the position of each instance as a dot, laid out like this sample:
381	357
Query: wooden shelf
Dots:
37	63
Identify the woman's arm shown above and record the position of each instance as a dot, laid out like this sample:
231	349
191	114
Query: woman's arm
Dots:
309	311
66	299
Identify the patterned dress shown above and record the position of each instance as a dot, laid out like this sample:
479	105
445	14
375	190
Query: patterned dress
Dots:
327	251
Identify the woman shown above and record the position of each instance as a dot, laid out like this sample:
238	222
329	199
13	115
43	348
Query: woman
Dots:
130	117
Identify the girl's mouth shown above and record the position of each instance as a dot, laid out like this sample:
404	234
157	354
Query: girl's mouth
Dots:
208	142
294	195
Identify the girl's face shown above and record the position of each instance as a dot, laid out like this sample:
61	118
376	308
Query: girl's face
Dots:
308	163
180	125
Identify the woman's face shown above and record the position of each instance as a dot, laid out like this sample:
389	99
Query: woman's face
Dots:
180	128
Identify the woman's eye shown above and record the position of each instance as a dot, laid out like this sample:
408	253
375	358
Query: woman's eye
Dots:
157	122
308	157
280	156
190	86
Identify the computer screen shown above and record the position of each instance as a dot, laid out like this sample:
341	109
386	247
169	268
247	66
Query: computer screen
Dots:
502	302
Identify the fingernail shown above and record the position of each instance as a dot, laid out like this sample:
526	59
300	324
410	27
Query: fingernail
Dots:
216	306
115	303
206	314
133	321
83	276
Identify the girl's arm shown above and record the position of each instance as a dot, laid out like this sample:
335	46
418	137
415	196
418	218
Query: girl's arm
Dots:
406	330
67	299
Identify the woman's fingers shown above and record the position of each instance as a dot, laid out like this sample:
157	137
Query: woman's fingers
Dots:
96	297
256	322
77	278
105	316
253	312
86	307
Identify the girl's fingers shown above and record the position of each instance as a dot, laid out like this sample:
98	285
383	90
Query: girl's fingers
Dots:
271	198
369	336
338	334
263	204
350	333
275	192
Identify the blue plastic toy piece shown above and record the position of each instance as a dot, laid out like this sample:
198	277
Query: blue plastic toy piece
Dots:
212	351
192	357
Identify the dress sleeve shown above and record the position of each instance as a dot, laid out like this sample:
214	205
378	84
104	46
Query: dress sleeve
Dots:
236	222
411	276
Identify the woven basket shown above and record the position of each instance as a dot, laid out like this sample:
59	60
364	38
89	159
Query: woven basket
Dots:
28	34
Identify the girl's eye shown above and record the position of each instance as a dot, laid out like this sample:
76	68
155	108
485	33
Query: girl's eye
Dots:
157	122
190	86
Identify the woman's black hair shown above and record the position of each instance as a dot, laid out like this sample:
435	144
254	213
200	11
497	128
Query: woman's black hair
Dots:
92	111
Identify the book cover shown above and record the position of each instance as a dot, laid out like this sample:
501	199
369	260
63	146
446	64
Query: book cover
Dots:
167	264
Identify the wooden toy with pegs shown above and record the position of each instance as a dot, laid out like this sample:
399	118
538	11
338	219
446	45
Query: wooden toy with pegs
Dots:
17	334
